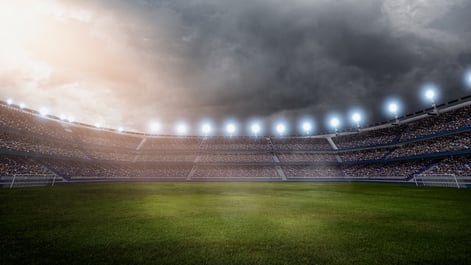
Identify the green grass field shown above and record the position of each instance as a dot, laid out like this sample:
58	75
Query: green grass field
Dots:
235	223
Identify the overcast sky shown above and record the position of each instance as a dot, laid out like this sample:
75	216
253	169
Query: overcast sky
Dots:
126	63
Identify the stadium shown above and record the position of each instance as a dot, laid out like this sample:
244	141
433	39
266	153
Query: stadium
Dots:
268	185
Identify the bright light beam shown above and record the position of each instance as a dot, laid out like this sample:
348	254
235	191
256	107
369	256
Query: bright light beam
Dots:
335	122
255	128
280	128
356	117
307	127
206	129
231	128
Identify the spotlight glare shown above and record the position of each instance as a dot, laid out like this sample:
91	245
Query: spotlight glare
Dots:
181	128
430	94
22	105
334	122
120	129
467	78
280	128
393	108
43	111
356	117
255	128
230	128
307	127
9	101
154	127
206	128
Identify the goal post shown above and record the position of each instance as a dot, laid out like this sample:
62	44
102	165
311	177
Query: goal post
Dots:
27	180
437	180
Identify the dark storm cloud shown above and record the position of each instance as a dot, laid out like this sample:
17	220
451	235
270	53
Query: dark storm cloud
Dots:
270	58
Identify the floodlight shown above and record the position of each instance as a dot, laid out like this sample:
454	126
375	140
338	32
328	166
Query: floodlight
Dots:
43	111
467	78
9	101
255	128
22	105
154	127
120	129
334	122
430	94
356	117
181	128
230	128
206	128
280	128
307	127
393	108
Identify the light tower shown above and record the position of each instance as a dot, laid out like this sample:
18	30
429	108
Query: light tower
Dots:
356	117
430	94
393	109
335	122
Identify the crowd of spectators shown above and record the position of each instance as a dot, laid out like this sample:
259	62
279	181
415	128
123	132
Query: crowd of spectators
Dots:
369	138
235	157
307	157
447	121
104	138
457	165
456	142
391	169
206	171
149	156
73	150
16	119
166	143
17	165
240	143
365	155
312	171
300	144
25	143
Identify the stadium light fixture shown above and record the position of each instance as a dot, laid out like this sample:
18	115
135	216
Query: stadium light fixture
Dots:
256	128
22	105
393	108
206	129
280	128
430	93
230	128
43	111
155	127
467	78
335	122
9	101
307	127
181	128
356	117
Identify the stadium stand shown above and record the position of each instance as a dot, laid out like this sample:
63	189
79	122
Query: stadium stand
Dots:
31	144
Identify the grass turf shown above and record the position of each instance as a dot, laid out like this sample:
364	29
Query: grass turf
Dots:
235	223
